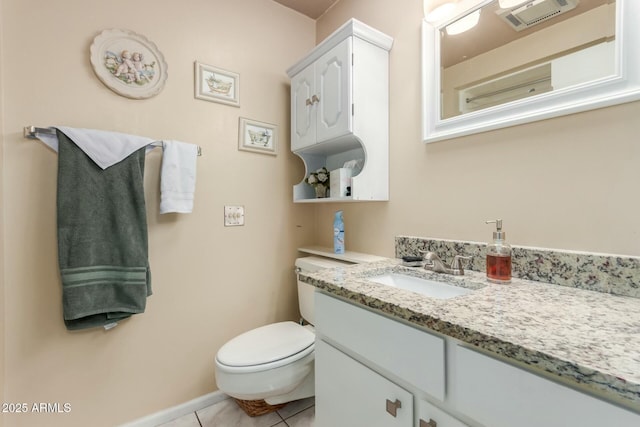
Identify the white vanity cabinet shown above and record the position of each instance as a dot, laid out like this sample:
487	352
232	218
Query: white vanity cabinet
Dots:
350	394
498	394
340	110
374	371
429	415
369	367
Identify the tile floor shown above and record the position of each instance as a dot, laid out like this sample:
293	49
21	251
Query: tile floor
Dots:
228	414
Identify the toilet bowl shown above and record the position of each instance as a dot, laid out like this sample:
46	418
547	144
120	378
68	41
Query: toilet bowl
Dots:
274	363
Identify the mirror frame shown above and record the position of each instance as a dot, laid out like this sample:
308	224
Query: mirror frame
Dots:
621	87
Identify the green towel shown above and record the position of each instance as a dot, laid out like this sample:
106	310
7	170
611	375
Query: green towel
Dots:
102	238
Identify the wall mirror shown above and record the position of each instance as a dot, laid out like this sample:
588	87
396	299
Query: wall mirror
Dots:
536	60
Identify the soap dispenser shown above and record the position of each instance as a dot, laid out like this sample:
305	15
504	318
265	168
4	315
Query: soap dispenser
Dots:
498	256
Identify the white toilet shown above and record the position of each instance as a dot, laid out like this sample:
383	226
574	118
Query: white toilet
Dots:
274	362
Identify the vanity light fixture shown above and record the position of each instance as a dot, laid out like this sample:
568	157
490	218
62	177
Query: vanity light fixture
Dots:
463	24
438	10
508	4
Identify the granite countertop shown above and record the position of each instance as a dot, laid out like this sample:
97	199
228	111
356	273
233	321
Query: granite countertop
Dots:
587	339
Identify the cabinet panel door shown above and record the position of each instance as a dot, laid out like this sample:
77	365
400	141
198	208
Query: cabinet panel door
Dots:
432	416
350	394
500	395
303	121
412	355
334	86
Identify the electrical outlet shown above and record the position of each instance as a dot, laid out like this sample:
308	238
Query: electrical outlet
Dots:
233	216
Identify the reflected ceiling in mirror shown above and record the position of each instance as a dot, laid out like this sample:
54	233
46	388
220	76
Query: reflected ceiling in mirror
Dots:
583	58
533	48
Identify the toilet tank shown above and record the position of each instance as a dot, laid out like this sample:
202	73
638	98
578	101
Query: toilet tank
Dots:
305	291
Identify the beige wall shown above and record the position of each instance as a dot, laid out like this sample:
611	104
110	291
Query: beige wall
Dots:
567	183
210	282
2	204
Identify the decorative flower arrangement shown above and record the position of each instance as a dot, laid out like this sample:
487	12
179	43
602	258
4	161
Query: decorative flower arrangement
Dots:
319	177
319	180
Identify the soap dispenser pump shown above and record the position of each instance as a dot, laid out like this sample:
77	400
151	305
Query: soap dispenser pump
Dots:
498	256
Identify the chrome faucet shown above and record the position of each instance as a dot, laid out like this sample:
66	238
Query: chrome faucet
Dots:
433	263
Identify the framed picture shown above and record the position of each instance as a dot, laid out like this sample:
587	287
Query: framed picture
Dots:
128	63
258	137
217	85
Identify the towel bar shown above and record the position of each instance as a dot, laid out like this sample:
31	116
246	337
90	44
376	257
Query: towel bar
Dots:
30	132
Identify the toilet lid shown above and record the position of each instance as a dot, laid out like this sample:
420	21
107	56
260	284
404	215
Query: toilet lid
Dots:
266	344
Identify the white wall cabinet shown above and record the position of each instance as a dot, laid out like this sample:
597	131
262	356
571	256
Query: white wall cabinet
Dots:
321	98
340	110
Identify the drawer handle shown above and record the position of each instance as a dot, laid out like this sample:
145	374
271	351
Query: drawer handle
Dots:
431	423
392	407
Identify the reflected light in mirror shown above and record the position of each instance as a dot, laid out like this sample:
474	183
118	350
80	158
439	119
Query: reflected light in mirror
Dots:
580	60
438	10
506	4
464	24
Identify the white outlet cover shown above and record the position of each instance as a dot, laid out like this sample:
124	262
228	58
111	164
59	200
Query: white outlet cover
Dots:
233	216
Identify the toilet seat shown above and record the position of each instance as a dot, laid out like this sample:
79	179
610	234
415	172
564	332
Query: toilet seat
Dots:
266	347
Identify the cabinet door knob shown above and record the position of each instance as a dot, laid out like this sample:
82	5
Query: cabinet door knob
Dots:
392	407
315	99
431	423
308	101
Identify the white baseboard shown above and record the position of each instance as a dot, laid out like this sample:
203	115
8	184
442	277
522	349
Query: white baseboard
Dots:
178	411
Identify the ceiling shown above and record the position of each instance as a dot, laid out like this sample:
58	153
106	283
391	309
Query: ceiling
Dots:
312	8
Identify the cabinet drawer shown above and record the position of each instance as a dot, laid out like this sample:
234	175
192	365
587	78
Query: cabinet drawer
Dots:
501	395
414	356
430	416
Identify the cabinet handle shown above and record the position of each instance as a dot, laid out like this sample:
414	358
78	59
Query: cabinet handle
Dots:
315	99
392	407
431	423
308	101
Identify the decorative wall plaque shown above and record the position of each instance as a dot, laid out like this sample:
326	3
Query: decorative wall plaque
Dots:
128	63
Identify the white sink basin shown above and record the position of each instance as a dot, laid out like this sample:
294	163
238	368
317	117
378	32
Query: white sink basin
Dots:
426	287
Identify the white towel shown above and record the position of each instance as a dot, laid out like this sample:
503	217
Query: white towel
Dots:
178	177
103	147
